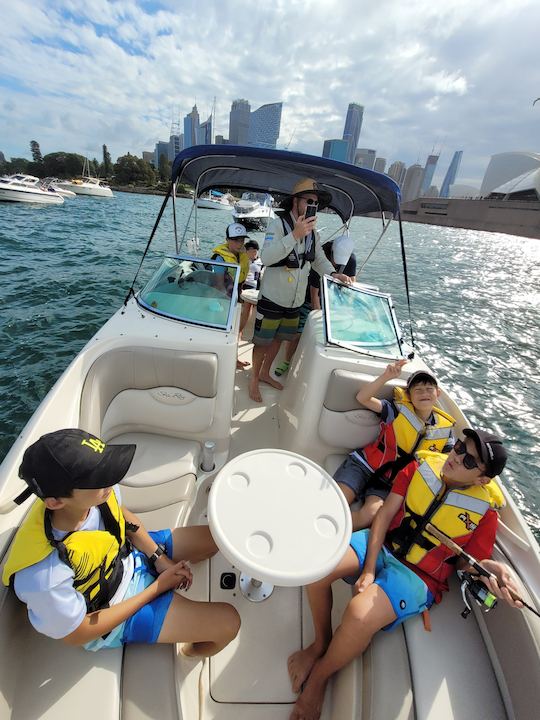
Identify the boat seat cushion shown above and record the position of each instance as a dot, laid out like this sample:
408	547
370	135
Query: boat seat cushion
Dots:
144	389
344	423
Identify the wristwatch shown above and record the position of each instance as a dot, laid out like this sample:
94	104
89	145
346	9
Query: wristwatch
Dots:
158	552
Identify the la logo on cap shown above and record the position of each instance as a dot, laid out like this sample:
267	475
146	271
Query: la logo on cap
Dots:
96	444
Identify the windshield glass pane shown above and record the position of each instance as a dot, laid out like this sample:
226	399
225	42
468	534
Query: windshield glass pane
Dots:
192	290
360	319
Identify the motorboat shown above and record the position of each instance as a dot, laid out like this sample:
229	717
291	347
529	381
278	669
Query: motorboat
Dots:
215	200
52	182
28	188
254	209
86	184
161	374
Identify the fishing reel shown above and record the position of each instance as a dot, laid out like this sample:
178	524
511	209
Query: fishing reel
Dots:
472	587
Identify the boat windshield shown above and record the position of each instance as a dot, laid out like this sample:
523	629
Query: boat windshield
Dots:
262	198
202	292
360	319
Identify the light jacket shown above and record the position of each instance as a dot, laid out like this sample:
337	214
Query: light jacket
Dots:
455	512
95	556
228	256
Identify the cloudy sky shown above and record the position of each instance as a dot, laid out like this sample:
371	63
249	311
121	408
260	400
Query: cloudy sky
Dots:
452	75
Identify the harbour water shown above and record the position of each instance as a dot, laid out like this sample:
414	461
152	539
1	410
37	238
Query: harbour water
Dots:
475	300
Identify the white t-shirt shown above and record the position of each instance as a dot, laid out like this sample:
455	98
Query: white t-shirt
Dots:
55	608
255	269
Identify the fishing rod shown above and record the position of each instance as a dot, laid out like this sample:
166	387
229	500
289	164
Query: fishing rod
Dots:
476	588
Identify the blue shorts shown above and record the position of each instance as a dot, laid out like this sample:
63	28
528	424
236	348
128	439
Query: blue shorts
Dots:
408	594
358	477
145	625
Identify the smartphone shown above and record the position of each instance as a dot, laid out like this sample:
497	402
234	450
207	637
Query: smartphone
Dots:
311	211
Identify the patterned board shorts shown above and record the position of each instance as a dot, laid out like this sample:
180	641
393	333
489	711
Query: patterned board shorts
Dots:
273	322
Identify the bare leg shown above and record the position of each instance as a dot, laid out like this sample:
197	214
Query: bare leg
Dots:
244	315
319	594
206	627
349	493
259	351
193	543
364	517
264	374
366	613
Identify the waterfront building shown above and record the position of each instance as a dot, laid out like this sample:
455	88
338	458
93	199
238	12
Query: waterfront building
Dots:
450	177
176	145
412	182
162	148
335	149
380	164
525	187
191	126
429	171
220	140
239	119
506	166
204	132
148	156
264	126
353	126
365	157
397	171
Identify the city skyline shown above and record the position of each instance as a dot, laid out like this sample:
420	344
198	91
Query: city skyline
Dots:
75	77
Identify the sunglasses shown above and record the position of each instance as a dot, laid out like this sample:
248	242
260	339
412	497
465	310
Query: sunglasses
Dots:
469	461
310	201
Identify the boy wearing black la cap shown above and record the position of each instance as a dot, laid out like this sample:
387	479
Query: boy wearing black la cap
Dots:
86	568
411	422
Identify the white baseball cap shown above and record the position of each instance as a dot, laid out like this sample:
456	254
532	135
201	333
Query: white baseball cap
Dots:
235	230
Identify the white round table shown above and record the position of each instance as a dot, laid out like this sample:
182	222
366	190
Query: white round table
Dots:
279	518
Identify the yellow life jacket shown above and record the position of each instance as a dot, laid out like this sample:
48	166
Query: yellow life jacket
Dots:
242	259
455	512
408	426
95	556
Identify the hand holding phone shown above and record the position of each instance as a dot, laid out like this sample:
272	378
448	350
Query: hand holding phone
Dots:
311	211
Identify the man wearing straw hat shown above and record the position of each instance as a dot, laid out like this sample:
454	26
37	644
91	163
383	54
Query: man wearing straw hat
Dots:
291	247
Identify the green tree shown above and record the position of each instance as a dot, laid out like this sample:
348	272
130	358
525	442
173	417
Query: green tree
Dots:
37	157
63	165
17	165
130	169
106	167
164	168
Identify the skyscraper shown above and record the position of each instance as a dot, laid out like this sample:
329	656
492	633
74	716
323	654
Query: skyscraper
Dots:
365	157
162	148
429	170
397	171
264	125
239	118
335	149
204	132
380	164
353	125
176	145
412	182
191	126
450	177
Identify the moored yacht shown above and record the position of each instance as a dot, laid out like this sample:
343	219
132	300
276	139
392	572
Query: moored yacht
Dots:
215	200
86	184
254	209
27	188
161	374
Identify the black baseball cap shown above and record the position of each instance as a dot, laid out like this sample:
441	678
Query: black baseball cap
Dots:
491	450
421	376
70	459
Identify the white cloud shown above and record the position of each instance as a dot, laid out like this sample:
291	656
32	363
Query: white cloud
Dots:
461	74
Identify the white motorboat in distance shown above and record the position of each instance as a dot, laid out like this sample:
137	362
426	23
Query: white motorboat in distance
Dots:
28	189
51	182
254	210
215	200
87	185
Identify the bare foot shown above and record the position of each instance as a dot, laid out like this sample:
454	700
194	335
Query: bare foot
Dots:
270	381
309	704
241	364
254	392
300	664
